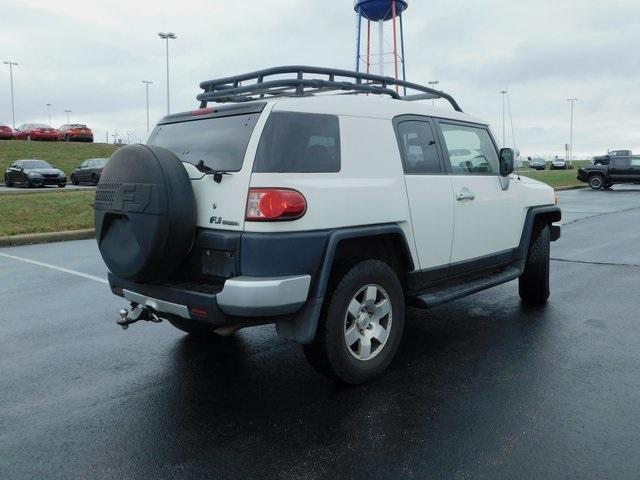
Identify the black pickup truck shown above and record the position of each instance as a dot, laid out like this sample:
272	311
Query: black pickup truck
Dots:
619	170
604	159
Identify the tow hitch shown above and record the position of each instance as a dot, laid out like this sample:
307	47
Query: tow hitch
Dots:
137	313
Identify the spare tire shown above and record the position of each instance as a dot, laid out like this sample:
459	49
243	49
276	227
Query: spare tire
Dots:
145	213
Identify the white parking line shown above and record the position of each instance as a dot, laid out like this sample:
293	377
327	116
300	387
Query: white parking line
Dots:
54	267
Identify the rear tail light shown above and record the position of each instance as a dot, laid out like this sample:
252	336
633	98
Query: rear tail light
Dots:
273	204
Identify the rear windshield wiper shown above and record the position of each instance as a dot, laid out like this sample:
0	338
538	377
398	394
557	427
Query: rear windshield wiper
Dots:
217	174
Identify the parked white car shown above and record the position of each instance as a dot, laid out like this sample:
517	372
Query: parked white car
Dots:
321	213
558	163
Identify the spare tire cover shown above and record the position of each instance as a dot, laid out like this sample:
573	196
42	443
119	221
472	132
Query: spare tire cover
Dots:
145	213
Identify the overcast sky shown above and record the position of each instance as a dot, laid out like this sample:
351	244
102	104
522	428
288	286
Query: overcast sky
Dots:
90	57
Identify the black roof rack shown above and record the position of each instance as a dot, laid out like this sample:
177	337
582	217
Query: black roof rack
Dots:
256	85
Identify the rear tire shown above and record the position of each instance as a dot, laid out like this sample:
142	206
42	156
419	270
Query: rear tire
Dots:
533	285
596	182
360	326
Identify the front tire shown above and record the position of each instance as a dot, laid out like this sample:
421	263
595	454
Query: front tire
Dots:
7	183
533	285
74	180
361	324
596	182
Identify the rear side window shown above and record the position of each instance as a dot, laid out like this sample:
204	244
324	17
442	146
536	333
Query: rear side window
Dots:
220	142
418	147
299	143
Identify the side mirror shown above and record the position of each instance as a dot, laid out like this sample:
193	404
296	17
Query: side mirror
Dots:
507	156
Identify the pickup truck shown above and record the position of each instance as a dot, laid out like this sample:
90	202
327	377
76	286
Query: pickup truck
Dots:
604	159
620	169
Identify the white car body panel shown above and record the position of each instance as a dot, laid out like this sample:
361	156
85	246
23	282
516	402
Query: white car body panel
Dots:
371	187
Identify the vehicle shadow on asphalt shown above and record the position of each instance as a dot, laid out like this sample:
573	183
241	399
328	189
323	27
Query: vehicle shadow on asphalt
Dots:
457	365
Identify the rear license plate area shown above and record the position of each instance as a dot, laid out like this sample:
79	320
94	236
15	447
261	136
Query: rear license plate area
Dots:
219	263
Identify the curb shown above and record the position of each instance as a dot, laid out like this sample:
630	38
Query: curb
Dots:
573	187
32	238
19	191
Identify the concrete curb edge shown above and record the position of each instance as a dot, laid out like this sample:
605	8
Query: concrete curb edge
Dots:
32	238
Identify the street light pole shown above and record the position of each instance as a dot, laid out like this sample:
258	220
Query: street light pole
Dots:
432	84
571	100
67	112
49	106
146	84
13	111
166	36
504	93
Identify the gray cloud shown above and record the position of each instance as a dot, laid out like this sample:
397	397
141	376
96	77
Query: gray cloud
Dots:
91	56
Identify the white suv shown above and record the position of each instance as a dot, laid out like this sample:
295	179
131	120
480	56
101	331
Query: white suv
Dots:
322	213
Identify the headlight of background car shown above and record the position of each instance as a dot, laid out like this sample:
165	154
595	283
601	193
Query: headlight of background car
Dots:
61	175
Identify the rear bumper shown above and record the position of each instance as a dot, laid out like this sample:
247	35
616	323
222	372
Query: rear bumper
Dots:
234	301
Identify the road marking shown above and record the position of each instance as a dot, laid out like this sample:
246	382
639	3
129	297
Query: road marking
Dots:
54	267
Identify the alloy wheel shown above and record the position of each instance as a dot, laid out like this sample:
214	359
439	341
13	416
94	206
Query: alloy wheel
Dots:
367	322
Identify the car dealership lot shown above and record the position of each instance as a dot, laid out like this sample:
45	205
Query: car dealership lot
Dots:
481	387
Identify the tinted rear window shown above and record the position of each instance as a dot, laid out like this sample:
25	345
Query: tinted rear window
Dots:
219	142
299	143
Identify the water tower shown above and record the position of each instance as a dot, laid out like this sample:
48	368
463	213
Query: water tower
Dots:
379	12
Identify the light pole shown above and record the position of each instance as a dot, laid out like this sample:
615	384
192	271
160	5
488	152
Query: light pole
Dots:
49	107
571	100
504	93
67	112
13	111
166	36
146	84
432	84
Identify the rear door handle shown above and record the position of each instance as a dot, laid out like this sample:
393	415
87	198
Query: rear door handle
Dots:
465	194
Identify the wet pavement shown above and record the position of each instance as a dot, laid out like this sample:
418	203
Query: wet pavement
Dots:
481	387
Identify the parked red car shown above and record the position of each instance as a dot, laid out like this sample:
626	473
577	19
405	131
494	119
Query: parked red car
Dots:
36	131
6	132
75	132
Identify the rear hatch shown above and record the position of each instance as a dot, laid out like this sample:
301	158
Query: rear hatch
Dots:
213	144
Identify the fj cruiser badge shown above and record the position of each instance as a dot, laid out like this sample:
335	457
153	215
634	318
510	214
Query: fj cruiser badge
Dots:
219	220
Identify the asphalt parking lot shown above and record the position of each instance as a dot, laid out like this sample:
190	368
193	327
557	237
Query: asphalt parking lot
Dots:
481	388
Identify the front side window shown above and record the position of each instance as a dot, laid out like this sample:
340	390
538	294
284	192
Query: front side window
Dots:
622	163
418	147
635	162
220	142
471	150
294	142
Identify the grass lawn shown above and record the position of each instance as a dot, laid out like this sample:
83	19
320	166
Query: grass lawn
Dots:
64	155
45	212
557	178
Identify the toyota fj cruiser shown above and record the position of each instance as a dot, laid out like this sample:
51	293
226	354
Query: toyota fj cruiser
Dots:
321	201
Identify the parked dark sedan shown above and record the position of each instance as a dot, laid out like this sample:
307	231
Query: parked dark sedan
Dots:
89	171
34	173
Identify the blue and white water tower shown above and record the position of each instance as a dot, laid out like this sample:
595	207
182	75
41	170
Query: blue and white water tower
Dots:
385	14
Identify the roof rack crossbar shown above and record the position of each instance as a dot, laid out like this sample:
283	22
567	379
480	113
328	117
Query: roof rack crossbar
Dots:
232	89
